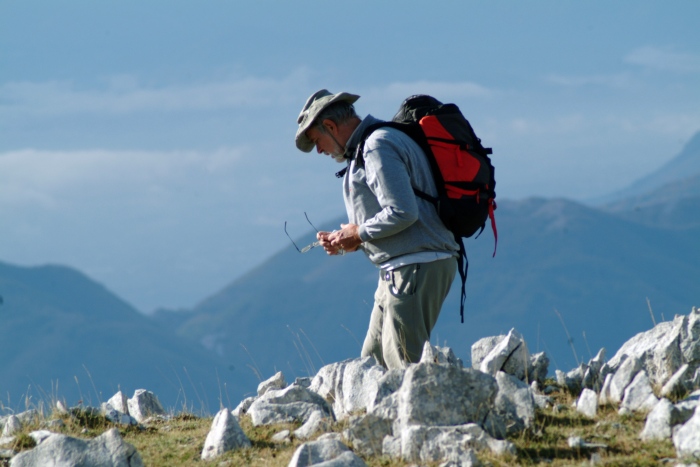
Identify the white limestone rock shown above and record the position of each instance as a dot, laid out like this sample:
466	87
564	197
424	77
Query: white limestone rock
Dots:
366	433
326	452
639	395
686	437
116	416
510	355
119	402
676	385
293	403
660	421
514	407
665	348
225	435
243	406
623	377
107	450
444	395
449	443
276	382
587	403
350	386
315	422
441	355
12	426
143	405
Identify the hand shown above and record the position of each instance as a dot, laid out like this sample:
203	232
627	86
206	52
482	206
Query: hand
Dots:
323	238
347	238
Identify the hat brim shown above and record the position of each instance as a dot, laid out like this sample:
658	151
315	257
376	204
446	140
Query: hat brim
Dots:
311	110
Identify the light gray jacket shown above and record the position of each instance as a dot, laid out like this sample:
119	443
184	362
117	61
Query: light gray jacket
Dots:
379	196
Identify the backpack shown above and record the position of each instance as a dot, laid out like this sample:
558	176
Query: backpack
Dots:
460	165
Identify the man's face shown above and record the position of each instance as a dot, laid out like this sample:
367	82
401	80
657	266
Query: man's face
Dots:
325	143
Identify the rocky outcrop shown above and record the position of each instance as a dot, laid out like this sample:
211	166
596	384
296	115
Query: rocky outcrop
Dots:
225	435
107	450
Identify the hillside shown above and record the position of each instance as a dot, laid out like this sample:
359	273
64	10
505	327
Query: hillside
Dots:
683	165
596	269
64	335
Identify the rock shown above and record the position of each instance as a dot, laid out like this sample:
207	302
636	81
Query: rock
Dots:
143	405
514	405
510	355
639	395
350	386
676	385
481	348
39	436
107	450
604	396
329	452
387	385
315	422
576	442
243	406
12	426
686	408
441	355
465	459
225	435
366	433
622	378
592	376
293	403
281	437
539	367
116	416
660	421
61	407
449	443
686	437
304	381
587	403
665	348
276	382
56	424
119	402
573	380
444	395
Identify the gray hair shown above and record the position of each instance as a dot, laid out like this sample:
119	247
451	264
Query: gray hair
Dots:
338	112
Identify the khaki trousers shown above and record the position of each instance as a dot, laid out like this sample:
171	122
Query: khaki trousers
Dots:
407	304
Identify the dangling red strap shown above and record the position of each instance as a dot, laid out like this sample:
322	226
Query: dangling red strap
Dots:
492	207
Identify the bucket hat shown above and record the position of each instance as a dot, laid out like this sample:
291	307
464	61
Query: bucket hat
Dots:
313	107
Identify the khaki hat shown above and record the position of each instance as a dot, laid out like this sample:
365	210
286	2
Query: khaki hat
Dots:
314	106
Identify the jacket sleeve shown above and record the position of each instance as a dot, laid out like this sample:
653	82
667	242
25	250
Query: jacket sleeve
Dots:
388	177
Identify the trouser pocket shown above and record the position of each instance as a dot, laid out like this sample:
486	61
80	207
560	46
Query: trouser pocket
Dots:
403	281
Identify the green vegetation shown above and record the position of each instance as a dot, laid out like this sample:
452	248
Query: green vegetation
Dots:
179	440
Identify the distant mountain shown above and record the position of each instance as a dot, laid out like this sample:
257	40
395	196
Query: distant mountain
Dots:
684	165
596	269
64	335
674	205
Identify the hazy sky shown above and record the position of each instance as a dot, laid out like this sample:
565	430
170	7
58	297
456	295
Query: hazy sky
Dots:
150	144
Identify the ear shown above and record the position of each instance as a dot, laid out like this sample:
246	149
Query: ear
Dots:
331	126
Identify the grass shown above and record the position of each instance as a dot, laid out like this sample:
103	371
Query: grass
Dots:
179	441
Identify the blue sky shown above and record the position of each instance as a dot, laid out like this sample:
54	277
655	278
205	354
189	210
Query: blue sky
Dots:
150	144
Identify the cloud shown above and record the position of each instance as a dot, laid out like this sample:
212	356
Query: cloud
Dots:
664	59
447	91
124	94
48	178
615	81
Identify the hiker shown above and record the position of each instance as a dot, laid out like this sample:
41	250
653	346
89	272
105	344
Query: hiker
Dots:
399	232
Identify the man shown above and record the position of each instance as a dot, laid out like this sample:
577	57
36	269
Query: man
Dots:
399	232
